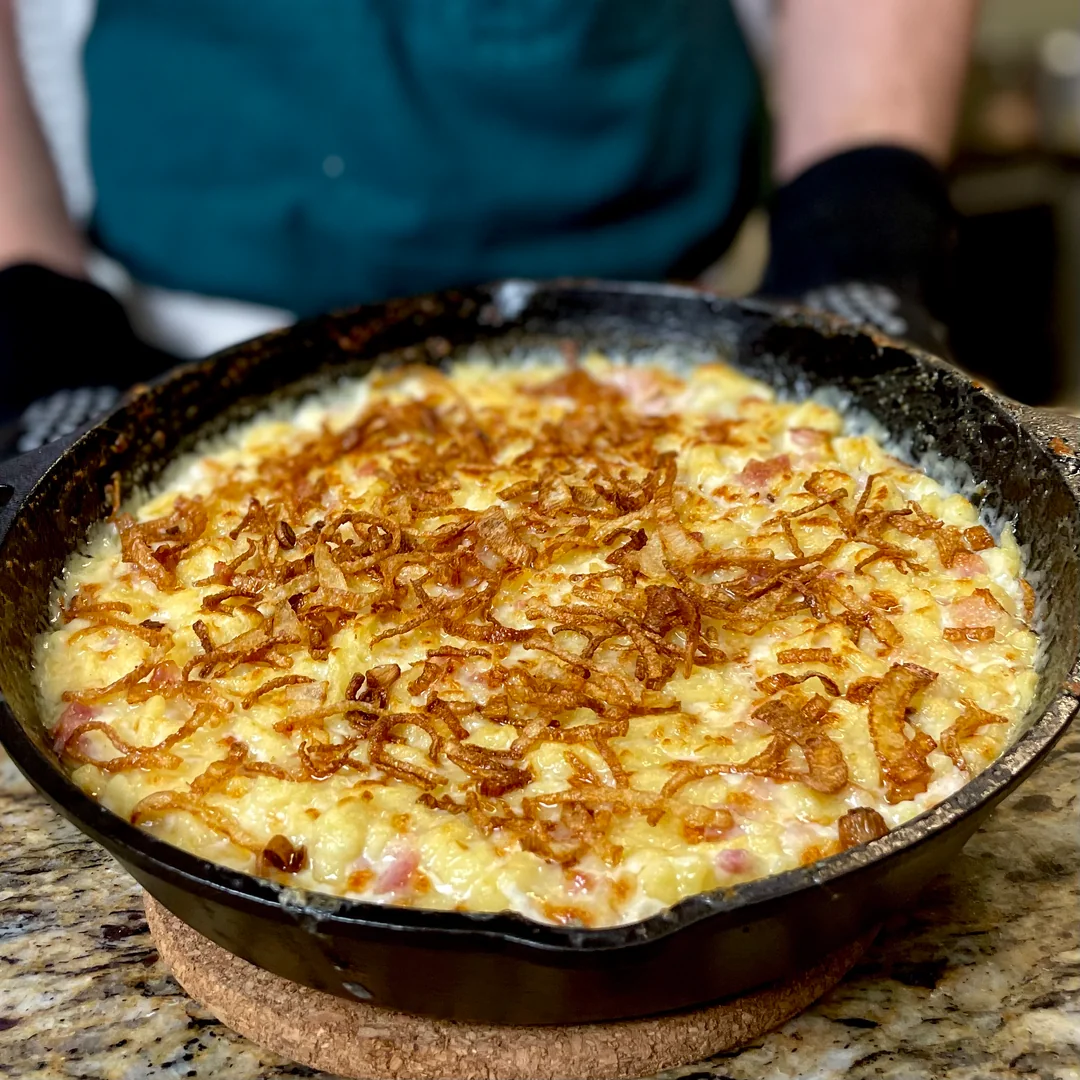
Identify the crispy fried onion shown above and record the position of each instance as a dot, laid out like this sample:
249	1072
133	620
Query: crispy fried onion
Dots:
373	686
782	680
968	724
274	684
566	826
495	531
281	854
860	690
156	546
218	819
249	647
678	544
794	725
318	760
439	663
157	756
860	826
902	758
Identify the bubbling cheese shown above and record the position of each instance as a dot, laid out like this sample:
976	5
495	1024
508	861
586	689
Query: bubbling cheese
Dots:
572	640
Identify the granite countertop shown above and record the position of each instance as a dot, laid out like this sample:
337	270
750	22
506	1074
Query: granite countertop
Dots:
981	980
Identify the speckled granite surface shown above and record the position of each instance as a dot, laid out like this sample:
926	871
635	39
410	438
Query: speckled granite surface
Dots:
981	981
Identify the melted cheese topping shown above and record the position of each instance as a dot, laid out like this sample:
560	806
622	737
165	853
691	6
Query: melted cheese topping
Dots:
629	635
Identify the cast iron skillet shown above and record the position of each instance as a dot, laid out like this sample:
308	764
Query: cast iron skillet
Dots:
502	968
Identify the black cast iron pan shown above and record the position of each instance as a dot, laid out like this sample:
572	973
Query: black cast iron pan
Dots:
503	968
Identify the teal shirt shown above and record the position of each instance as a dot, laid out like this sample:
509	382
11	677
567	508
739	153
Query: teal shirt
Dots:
317	153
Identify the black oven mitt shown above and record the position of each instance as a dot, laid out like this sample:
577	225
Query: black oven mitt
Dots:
868	234
67	351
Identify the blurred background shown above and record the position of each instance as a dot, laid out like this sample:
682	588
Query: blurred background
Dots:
1015	180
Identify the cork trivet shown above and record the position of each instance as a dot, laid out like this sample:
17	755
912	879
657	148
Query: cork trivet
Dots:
364	1042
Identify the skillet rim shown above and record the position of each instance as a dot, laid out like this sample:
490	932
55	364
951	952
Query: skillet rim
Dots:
510	297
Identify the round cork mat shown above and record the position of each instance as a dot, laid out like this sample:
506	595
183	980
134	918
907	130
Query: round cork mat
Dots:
364	1042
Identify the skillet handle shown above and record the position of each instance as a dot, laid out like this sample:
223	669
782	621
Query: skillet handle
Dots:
20	475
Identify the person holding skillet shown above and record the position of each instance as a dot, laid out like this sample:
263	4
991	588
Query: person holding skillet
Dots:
317	156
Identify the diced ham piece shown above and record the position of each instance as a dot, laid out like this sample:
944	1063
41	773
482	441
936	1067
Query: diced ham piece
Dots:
164	674
974	610
968	565
71	719
757	474
396	876
811	442
734	861
807	438
644	390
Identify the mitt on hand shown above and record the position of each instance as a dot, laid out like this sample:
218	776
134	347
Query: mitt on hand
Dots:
67	351
869	234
